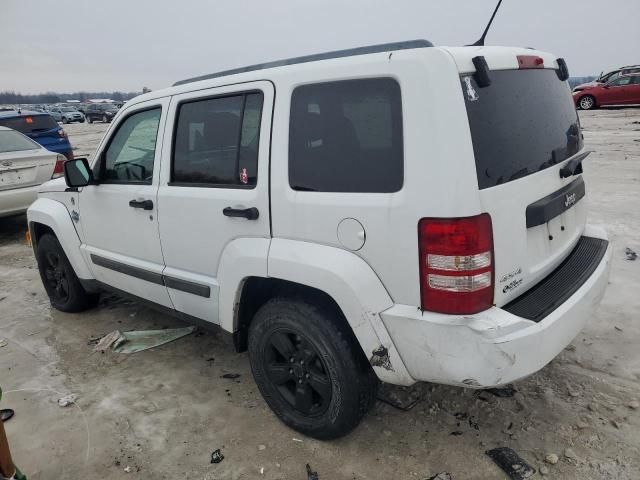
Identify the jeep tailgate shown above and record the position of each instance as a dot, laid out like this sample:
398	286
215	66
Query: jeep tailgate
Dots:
524	130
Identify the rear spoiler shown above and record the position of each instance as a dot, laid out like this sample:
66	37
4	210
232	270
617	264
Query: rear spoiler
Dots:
482	78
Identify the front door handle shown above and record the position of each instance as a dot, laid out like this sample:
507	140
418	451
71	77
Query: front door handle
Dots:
248	213
144	204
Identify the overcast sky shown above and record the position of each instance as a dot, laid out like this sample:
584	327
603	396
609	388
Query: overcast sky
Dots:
70	45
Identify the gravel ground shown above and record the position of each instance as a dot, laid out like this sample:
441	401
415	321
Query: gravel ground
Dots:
161	413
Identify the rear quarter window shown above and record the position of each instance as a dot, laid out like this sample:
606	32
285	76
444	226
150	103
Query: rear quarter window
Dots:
346	136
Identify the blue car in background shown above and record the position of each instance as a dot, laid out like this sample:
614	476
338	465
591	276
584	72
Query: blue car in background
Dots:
41	127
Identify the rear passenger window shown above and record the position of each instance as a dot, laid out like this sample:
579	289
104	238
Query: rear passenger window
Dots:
346	137
216	142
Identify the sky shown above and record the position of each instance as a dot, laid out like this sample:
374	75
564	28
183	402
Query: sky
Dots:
91	45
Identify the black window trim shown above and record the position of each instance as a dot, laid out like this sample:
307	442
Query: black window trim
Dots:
176	118
402	136
101	160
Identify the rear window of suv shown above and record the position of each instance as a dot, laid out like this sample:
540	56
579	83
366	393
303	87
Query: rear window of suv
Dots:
30	124
522	123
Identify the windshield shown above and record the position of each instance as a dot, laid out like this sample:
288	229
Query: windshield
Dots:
30	124
67	109
524	122
15	142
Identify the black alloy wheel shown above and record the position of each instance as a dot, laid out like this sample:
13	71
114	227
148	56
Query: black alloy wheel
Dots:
56	277
296	368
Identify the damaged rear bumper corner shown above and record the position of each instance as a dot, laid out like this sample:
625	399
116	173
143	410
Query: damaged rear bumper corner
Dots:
493	347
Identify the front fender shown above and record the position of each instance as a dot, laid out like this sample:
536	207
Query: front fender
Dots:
354	286
55	215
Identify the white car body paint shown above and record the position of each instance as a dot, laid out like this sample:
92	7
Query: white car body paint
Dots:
296	238
241	258
56	215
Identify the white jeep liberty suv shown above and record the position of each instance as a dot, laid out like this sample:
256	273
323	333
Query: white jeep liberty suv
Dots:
399	212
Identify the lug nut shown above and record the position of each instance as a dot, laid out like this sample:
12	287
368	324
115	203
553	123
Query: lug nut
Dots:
291	371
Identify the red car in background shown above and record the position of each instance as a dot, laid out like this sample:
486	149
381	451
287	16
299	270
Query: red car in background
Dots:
622	90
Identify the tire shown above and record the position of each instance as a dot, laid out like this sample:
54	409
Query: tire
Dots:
324	398
105	119
64	121
587	102
60	281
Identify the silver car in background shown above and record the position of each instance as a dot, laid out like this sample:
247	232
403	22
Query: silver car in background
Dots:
24	166
66	114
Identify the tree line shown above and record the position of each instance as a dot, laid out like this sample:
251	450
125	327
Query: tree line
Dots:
11	97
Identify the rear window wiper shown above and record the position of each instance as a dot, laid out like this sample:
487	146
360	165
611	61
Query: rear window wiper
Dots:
574	166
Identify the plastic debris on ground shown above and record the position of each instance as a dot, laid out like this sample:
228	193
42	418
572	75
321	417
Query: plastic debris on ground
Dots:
6	414
502	392
441	476
231	376
511	463
631	255
137	341
311	475
402	398
217	456
67	400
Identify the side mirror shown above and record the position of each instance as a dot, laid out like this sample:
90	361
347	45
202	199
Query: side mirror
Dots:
78	173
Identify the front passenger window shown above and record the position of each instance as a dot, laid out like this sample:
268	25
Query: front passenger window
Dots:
131	151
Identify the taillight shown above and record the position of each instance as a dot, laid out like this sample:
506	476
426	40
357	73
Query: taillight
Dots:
456	264
62	133
58	170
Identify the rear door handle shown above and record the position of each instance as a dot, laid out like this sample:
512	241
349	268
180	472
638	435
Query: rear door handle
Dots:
144	204
248	213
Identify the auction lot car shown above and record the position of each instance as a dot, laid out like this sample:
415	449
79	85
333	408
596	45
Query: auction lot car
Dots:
66	114
343	222
609	76
41	127
100	112
623	90
24	166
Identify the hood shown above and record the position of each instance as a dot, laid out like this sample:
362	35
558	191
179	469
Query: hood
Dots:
55	185
584	86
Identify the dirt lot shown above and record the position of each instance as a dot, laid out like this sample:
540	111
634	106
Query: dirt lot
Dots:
161	413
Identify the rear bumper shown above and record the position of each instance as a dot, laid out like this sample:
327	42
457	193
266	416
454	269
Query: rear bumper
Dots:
493	347
17	200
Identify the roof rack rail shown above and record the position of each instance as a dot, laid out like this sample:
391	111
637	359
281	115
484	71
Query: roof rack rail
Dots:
384	47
